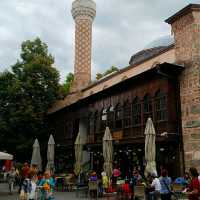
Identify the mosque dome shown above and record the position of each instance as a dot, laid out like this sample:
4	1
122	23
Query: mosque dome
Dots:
152	49
161	41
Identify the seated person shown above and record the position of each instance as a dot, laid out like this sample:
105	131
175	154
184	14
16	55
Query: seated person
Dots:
93	176
184	181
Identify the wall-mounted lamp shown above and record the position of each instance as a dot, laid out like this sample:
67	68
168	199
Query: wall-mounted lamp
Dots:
162	149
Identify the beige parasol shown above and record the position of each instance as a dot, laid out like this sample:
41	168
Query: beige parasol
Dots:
150	148
78	145
36	157
107	152
50	154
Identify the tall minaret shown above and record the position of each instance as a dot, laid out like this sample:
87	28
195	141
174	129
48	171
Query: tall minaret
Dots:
83	12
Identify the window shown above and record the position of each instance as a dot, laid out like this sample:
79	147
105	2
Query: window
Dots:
91	124
160	106
69	129
147	108
103	119
127	114
118	116
136	110
96	122
110	117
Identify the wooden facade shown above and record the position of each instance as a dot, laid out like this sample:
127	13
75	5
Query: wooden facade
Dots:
124	108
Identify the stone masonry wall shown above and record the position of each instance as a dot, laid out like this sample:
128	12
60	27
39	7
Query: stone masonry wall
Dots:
186	30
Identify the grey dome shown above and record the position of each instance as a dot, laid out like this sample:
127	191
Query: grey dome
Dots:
161	41
152	49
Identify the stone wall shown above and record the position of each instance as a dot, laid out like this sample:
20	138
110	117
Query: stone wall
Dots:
186	29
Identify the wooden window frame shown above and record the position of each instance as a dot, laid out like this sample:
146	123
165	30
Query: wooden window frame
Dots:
160	106
136	112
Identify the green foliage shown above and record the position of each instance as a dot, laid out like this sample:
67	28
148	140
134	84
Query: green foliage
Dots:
109	71
68	83
26	93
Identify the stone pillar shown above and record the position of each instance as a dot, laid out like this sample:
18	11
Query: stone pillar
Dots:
83	12
186	29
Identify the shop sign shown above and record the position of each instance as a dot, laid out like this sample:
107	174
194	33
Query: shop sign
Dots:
118	135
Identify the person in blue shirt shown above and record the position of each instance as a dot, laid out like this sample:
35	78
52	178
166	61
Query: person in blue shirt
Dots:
184	181
165	182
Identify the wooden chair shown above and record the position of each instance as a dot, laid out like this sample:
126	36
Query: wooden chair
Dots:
139	191
69	183
177	191
81	191
93	188
60	183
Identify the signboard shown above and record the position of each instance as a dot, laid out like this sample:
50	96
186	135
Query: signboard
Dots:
118	135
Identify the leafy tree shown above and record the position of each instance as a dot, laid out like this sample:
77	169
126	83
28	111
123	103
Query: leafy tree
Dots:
68	83
109	71
26	93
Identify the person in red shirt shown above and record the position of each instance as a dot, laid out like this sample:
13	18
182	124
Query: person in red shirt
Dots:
126	190
25	170
193	189
24	174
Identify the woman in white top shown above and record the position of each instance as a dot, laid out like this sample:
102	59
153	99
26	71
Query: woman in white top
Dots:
155	195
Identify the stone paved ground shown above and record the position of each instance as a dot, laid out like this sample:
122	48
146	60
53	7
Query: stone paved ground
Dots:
4	195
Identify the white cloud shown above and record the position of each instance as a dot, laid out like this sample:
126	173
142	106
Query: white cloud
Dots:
121	28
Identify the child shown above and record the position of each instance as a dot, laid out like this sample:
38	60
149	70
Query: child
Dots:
105	181
48	185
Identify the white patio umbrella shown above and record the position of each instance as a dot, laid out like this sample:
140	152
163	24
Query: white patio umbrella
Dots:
107	152
50	154
150	147
36	157
78	146
5	156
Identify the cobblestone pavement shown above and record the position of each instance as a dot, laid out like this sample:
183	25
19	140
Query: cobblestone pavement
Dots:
4	195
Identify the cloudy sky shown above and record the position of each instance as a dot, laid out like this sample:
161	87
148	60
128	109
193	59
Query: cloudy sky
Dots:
121	28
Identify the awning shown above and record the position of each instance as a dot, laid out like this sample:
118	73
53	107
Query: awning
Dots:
5	156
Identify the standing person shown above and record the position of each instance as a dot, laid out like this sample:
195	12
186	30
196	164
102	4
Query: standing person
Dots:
11	179
165	183
24	174
25	170
34	168
135	179
47	184
116	173
28	188
193	189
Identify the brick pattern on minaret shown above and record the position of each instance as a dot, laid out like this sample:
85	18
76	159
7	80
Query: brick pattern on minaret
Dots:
186	29
83	12
83	38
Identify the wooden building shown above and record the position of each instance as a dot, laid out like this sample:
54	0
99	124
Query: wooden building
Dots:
153	85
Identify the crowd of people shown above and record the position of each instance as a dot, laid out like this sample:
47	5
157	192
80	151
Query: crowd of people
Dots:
32	183
155	187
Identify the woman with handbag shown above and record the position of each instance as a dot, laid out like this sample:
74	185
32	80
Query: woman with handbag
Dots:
165	182
28	187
